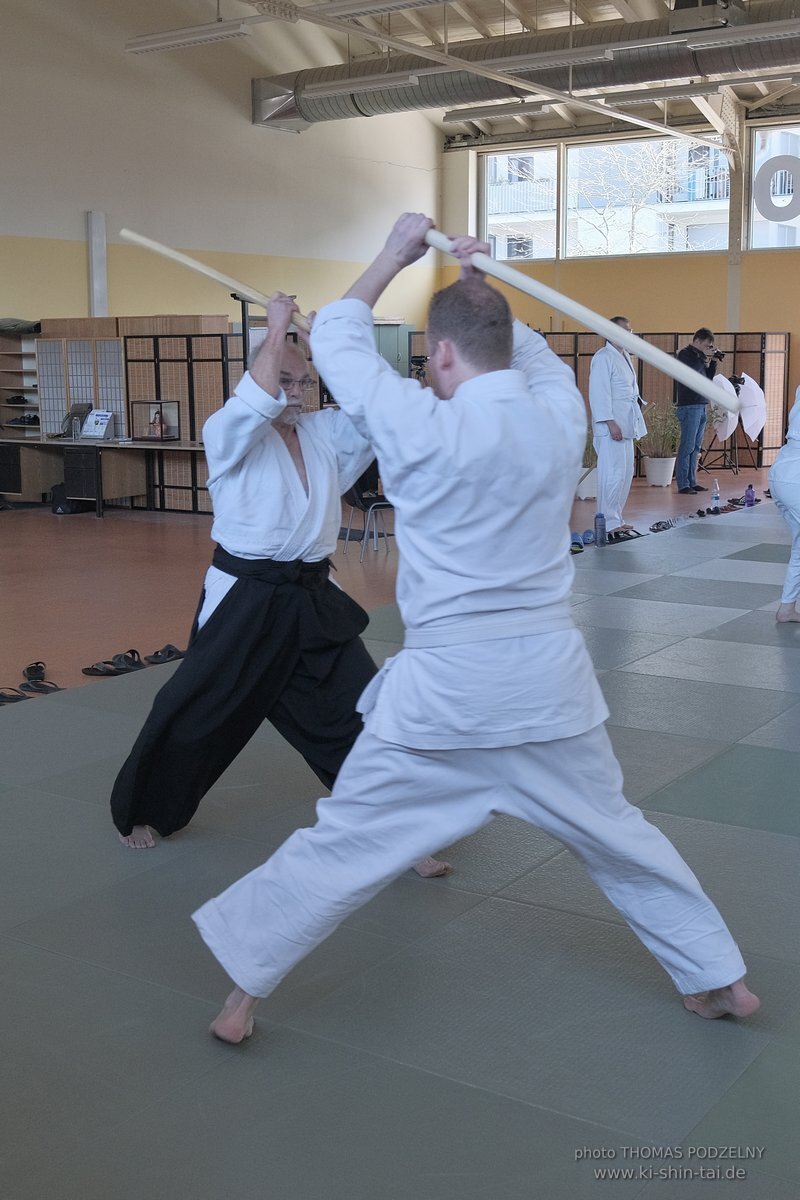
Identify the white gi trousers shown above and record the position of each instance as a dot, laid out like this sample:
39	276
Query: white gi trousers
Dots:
391	806
614	477
787	501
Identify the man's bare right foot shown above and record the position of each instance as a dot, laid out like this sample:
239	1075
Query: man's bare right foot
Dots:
139	838
786	612
735	1000
235	1022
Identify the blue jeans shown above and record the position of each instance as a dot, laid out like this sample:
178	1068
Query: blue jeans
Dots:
692	419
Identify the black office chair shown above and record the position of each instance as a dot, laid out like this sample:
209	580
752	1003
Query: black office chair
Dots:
363	497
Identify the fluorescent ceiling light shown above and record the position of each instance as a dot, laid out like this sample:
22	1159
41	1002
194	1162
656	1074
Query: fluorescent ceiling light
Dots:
764	31
364	8
196	35
366	83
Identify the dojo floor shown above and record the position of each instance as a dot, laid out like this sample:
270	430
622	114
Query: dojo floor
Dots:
472	1038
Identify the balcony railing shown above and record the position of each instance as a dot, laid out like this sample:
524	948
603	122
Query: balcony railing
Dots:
531	195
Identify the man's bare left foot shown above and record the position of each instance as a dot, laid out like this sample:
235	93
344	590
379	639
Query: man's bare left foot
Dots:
139	838
786	612
735	1000
433	868
235	1022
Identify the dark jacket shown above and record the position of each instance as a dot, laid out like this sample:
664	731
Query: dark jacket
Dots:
694	358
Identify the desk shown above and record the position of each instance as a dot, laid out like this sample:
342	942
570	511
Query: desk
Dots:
29	467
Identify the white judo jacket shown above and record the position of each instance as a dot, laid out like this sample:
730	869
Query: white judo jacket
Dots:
613	394
482	487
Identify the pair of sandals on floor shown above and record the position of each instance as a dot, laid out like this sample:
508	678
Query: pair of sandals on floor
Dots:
131	660
626	534
35	684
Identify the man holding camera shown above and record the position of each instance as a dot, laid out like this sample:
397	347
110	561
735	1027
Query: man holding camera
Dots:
692	408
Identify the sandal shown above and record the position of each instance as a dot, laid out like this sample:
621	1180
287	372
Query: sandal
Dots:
12	695
101	668
170	653
34	670
40	687
661	526
129	661
588	537
576	544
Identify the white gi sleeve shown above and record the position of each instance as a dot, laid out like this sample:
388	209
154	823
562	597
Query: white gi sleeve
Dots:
550	380
233	430
386	409
600	399
353	452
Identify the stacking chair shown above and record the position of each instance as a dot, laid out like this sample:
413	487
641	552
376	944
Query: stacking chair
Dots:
363	497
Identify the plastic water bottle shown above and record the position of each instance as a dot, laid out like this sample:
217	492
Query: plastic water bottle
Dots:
600	537
749	496
715	494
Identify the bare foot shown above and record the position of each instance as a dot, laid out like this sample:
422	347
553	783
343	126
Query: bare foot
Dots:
432	868
787	612
235	1022
139	838
735	1000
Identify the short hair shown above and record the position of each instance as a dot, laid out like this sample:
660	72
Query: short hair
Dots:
258	337
703	335
620	320
476	318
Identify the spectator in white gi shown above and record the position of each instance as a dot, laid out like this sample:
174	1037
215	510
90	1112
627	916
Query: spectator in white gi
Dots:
784	485
616	423
492	705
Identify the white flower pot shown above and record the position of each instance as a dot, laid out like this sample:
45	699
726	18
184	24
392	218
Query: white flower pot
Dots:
586	488
658	471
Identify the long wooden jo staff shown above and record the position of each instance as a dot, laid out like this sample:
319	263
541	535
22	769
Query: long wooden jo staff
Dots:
592	320
498	270
235	285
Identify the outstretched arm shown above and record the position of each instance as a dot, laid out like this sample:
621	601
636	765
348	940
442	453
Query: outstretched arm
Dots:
405	245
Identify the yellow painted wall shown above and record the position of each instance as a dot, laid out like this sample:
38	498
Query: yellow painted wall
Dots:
48	277
675	292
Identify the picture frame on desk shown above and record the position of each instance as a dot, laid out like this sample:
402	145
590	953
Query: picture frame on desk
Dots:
155	421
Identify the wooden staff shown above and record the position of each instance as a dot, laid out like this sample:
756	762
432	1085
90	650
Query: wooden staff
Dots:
592	320
241	289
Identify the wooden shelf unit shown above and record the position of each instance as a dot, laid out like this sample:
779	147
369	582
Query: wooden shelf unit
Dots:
18	378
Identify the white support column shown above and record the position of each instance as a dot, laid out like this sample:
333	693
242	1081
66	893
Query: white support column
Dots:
98	265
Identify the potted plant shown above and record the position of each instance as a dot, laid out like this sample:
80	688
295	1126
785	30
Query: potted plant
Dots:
586	488
660	445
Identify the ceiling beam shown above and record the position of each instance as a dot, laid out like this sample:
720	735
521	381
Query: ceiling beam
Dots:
464	10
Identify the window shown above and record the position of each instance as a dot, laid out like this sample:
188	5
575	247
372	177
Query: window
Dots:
650	196
521	204
775	187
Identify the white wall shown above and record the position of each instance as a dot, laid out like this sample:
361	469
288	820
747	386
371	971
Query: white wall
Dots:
163	143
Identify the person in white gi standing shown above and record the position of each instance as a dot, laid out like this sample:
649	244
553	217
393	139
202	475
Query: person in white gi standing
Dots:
784	485
492	705
616	423
274	639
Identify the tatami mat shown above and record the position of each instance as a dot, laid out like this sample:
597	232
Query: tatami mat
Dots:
496	1035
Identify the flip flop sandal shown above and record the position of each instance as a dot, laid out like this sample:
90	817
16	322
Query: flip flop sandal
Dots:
11	695
40	687
736	502
101	668
728	508
129	661
168	653
588	537
661	526
34	670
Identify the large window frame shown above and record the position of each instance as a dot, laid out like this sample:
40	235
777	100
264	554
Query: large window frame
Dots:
676	225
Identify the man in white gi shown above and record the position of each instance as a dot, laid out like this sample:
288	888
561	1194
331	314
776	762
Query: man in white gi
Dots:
784	486
616	423
492	705
274	639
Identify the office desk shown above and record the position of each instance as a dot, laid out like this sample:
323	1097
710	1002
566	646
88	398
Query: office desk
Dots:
98	471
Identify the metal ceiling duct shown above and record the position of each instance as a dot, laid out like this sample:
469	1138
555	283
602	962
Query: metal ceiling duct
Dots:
281	101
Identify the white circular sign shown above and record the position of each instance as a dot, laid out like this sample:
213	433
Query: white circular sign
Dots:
762	188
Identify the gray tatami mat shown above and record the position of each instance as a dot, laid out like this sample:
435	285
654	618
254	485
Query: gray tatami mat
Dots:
493	1035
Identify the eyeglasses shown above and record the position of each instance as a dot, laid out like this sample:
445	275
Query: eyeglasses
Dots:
304	384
